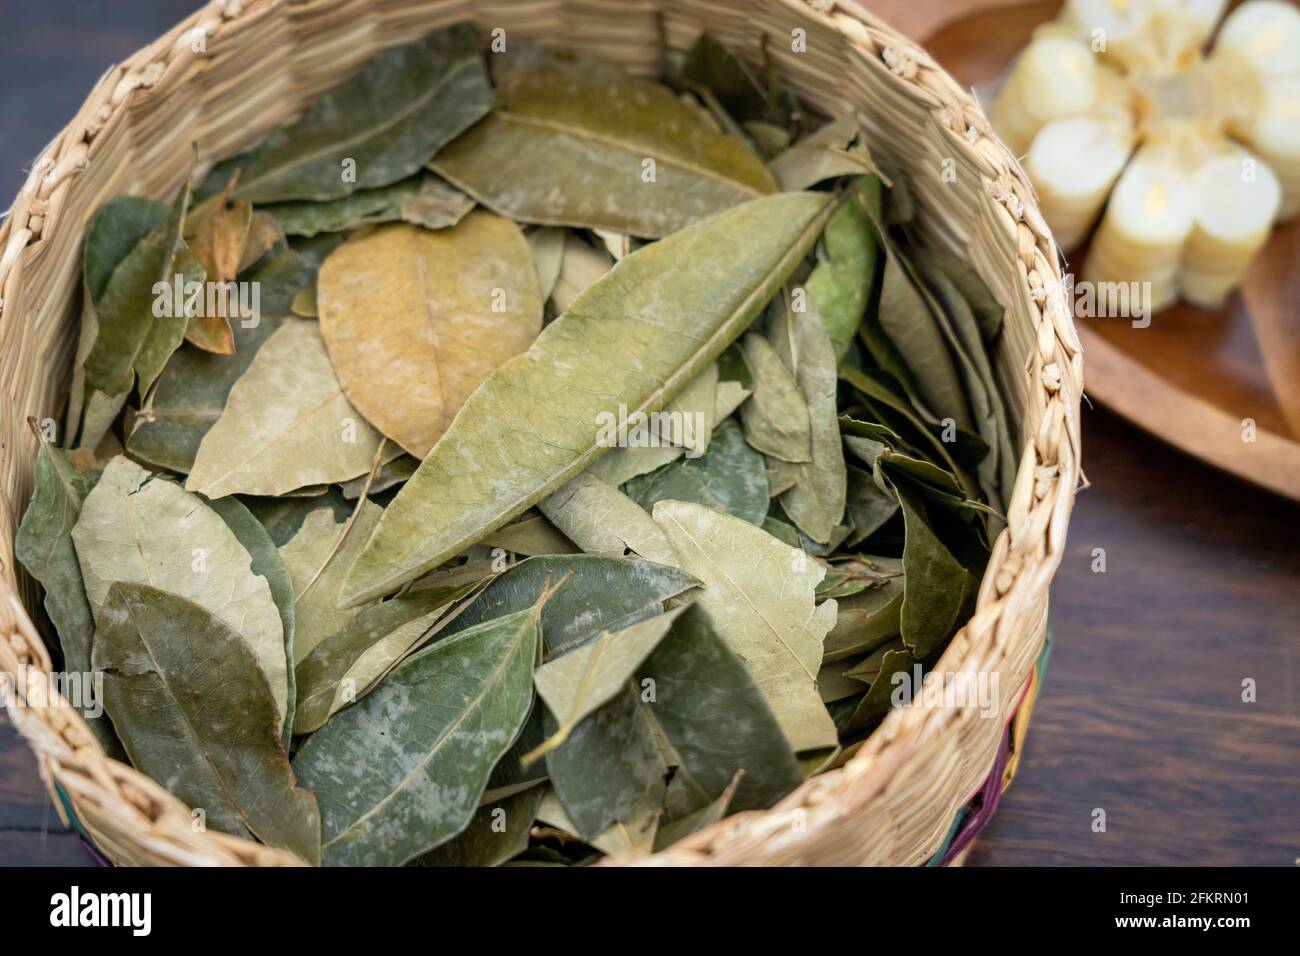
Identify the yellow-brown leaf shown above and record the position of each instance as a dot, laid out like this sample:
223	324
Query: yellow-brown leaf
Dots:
414	319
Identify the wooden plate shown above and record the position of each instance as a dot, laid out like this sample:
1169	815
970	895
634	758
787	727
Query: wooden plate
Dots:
1195	378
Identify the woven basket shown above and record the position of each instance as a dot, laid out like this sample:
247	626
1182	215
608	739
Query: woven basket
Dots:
925	782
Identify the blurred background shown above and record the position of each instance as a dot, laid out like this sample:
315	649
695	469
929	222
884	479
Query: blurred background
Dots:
1141	712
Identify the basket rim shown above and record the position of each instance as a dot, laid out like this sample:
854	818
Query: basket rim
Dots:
1023	560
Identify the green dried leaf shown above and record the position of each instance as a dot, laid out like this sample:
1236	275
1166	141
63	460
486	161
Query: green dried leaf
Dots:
100	411
287	424
848	257
723	120
781	530
43	545
192	390
862	630
510	776
266	562
926	473
776	416
114	230
422	200
469	571
139	528
602	520
602	594
816	502
732	367
937	587
913	329
588	677
826	154
864	209
390	475
769	140
581	267
937	484
715	717
634	339
402	771
531	535
855	574
341	668
283	517
868	618
875	390
635	836
730	477
900	209
879	668
710	113
309	219
697	820
745	96
569	144
777	631
383	124
834	683
315	250
132	342
189	700
437	205
690	417
691	414
868	506
730	396
317	558
781	476
987	310
547	245
997	471
906	319
497	832
610	772
620	465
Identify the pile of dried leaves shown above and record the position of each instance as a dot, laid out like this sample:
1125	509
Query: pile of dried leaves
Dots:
568	461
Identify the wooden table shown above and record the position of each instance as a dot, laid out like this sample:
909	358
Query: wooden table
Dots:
1141	714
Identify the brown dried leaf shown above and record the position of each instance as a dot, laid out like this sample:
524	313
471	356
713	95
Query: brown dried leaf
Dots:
426	316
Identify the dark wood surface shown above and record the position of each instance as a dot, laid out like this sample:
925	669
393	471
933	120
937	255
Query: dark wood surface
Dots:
1141	713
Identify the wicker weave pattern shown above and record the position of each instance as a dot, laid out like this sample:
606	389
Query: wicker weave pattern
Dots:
262	61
